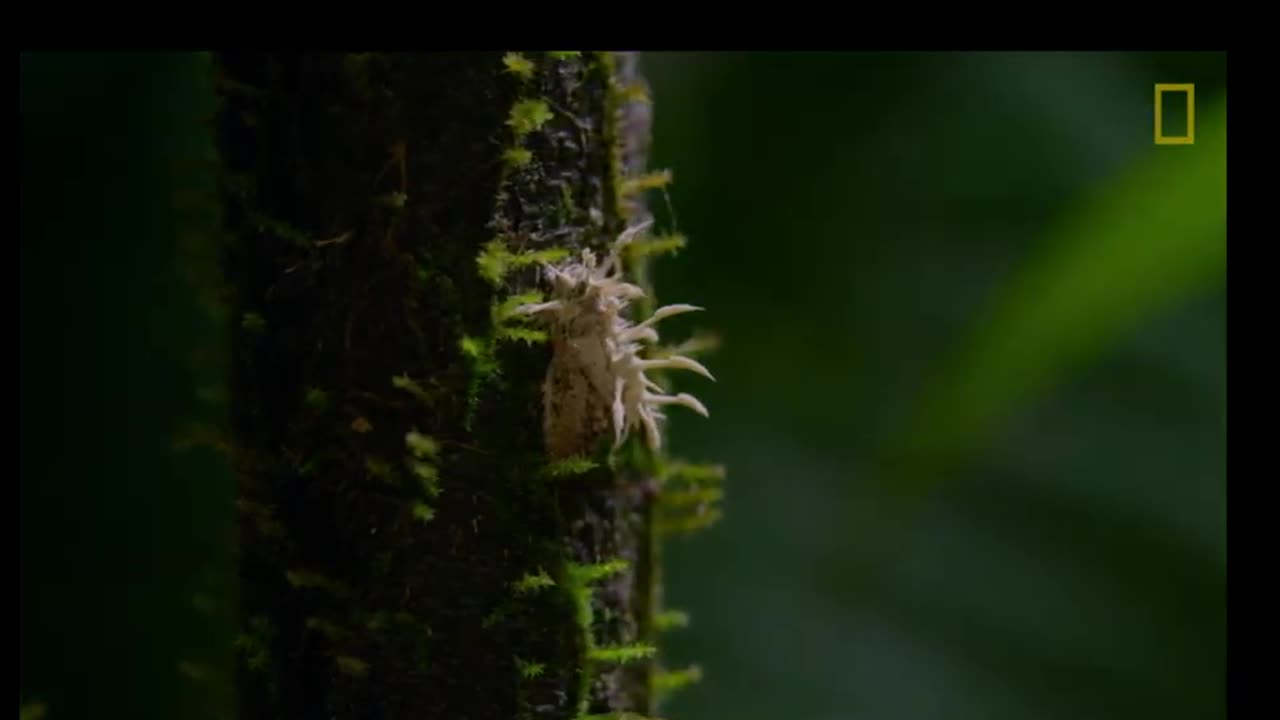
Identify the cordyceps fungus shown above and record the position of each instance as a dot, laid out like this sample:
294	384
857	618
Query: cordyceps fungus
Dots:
597	375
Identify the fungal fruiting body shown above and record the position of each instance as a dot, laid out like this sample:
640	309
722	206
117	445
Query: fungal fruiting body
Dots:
597	376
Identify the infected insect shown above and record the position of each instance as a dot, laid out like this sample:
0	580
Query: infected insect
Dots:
596	379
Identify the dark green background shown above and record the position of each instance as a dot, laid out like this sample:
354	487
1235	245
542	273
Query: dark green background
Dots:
971	392
124	541
963	262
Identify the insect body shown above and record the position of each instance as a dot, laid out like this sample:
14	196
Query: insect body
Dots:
597	379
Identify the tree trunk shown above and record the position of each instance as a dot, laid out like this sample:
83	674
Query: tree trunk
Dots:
410	547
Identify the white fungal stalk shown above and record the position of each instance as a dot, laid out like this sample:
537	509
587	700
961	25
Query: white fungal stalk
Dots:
597	375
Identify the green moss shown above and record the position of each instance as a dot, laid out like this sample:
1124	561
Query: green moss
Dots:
496	260
529	115
691	474
613	107
428	477
669	681
394	201
254	323
580	596
649	181
411	386
478	353
577	583
503	311
532	582
529	670
692	498
637	93
587	574
529	336
662	245
567	205
315	399
422	512
381	470
630	652
518	157
353	666
519	65
570	467
685	524
670	619
510	327
421	446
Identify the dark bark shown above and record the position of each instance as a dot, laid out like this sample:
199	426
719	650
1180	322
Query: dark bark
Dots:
380	578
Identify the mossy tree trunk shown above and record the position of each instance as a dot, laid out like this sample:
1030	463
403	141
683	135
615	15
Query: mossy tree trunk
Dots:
406	548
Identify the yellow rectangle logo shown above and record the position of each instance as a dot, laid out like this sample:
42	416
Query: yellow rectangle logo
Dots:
1190	90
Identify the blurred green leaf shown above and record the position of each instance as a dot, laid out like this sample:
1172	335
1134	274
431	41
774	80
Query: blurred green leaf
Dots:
1075	568
1154	236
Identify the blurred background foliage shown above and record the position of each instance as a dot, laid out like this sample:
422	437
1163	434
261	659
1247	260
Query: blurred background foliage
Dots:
971	392
972	386
125	537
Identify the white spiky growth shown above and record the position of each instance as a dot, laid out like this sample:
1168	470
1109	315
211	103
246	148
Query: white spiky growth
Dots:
597	375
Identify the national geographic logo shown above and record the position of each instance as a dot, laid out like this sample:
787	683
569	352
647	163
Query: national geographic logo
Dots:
1187	89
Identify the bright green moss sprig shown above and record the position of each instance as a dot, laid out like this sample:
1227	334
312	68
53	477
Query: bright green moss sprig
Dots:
532	582
653	246
519	65
690	498
569	467
496	259
529	115
577	582
648	181
587	574
411	386
630	652
670	619
517	157
422	512
529	670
